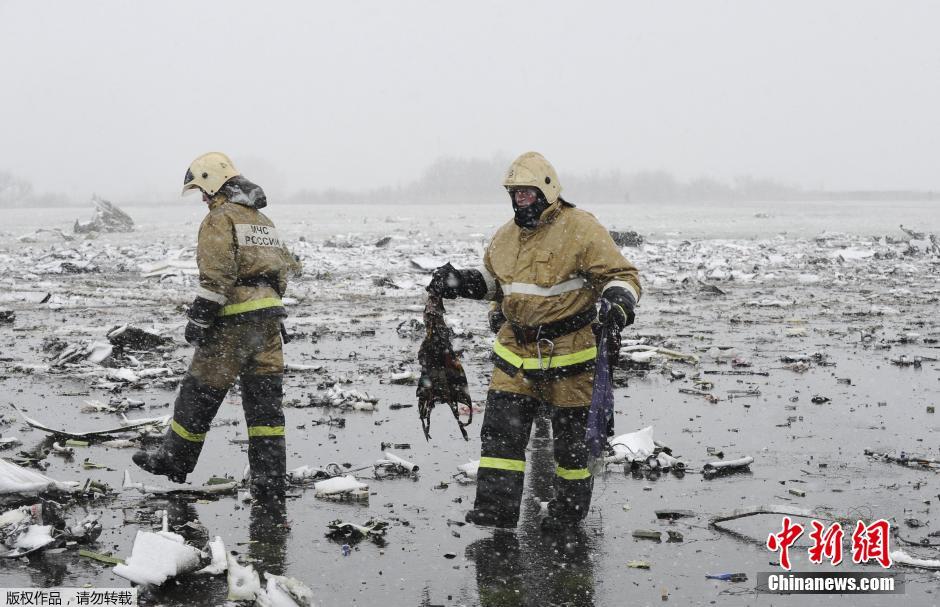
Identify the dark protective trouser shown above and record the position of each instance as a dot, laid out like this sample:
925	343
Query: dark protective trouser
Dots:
507	423
251	349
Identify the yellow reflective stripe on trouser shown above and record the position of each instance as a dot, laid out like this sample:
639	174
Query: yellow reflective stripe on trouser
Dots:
548	362
265	430
576	474
182	432
252	305
513	465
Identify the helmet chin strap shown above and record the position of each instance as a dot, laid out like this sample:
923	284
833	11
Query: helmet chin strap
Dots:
528	217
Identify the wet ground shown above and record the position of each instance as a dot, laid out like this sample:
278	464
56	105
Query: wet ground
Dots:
792	285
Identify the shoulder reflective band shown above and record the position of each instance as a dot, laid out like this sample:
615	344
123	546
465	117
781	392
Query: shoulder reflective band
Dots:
573	475
521	288
513	465
265	431
182	432
251	306
532	364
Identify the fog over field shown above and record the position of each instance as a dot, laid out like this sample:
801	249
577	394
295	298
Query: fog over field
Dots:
116	98
770	168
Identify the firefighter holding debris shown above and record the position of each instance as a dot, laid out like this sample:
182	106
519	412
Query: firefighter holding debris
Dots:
235	325
547	270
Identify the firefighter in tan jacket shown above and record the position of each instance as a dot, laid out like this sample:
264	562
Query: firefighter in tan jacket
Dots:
235	325
546	269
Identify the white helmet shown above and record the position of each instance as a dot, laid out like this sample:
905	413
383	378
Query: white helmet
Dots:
209	173
531	170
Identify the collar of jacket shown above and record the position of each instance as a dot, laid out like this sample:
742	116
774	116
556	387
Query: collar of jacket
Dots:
217	200
548	216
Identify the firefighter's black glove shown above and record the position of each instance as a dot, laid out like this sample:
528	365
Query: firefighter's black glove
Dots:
618	318
620	314
196	334
202	315
496	318
450	283
445	282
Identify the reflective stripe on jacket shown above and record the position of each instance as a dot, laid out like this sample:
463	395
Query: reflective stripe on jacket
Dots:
551	273
243	262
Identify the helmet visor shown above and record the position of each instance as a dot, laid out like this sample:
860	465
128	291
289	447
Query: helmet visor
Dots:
188	183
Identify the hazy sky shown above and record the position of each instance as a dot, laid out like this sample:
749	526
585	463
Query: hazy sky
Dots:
118	97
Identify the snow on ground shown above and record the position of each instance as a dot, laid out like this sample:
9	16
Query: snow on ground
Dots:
782	303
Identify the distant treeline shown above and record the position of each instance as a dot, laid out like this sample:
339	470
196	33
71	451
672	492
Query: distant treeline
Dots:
16	192
459	180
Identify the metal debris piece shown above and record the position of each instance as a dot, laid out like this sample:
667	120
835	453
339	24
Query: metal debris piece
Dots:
727	577
899	557
671	515
284	591
395	464
218	564
63	450
22	531
706	395
334	396
385	446
107	218
308	474
905	459
405	378
128	337
713	469
468	472
127	425
341	487
650	351
100	557
16	481
216	488
341	530
718	521
157	557
648	534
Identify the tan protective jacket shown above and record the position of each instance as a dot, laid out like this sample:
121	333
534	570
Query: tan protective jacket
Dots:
243	263
551	273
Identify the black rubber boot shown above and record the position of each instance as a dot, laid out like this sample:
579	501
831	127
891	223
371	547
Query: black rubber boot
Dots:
158	463
488	518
